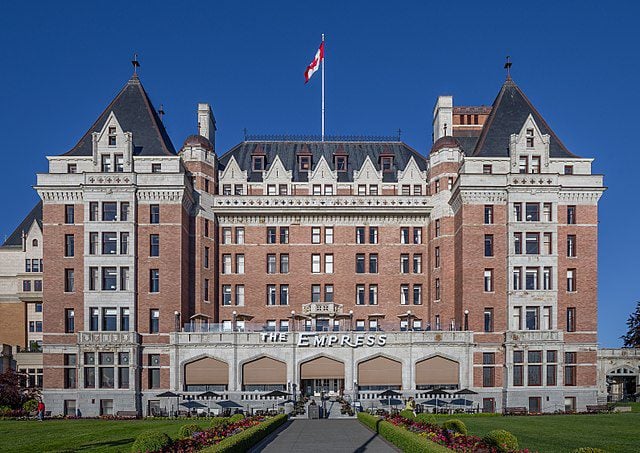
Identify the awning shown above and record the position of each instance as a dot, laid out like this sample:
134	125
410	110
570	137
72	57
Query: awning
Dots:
437	371
322	368
264	371
380	371
206	371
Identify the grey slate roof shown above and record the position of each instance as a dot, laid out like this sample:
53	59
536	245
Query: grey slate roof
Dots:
136	114
15	239
511	109
357	152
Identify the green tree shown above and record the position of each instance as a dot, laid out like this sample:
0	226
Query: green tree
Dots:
632	337
12	391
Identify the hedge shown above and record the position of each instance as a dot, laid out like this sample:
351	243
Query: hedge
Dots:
243	441
400	437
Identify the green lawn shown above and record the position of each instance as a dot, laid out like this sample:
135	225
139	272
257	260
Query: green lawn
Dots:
563	433
79	435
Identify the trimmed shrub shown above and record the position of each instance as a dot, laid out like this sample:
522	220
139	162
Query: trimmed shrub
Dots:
188	430
503	440
405	440
588	450
455	425
150	441
30	406
407	414
242	442
236	418
429	419
217	422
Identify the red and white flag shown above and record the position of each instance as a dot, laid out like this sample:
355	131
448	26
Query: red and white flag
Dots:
315	64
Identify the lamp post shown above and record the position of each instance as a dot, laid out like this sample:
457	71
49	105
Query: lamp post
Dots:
409	316
233	324
293	320
466	320
350	319
176	315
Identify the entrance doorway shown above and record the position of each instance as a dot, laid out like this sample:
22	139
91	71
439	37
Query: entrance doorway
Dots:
315	387
322	375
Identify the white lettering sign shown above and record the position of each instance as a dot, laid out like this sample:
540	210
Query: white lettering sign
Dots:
318	340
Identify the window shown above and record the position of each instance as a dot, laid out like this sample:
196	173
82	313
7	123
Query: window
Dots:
154	213
315	235
271	189
284	294
27	265
437	289
317	189
154	373
258	163
304	163
552	368
124	211
93	211
109	278
417	189
359	235
517	212
109	243
283	189
205	290
417	264
362	189
487	169
106	163
373	235
226	263
531	278
436	257
205	258
436	186
417	235
154	281
226	235
315	263
156	168
532	243
373	189
328	293
488	372
570	360
109	211
359	294
437	322
532	212
546	212
238	189
437	233
328	263
226	189
124	319
404	294
328	235
284	235
532	315
123	370
404	235
226	295
387	163
72	168
239	263
240	235
154	245
571	280
69	281
568	169
315	293
547	244
571	319
284	263
488	214
69	214
450	183
271	294
488	319
571	215
517	243
271	235
373	294
109	319
69	245
154	320
124	243
488	245
94	315
341	163
535	164
406	189
360	263
271	263
373	263
70	361
69	320
417	294
523	165
488	280
546	279
206	228
529	136
571	245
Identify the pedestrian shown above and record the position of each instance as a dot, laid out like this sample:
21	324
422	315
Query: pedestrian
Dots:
40	410
411	406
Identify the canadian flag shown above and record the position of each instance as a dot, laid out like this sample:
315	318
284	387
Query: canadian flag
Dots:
315	64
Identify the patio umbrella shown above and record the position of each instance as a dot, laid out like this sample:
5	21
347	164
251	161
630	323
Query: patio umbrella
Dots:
192	405
391	402
208	395
390	393
461	402
434	402
277	394
228	404
285	402
465	392
168	395
436	393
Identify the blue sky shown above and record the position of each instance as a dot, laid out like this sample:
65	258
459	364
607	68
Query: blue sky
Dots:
386	62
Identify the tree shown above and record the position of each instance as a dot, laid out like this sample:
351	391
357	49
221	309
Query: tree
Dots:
632	337
12	392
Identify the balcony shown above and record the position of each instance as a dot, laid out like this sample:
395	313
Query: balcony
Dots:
322	308
527	336
108	338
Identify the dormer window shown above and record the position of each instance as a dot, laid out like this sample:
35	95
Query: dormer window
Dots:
487	169
106	163
72	168
529	138
535	164
112	136
523	166
156	168
119	158
568	169
258	163
387	163
341	163
304	162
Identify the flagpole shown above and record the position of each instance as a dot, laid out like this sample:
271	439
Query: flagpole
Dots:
323	90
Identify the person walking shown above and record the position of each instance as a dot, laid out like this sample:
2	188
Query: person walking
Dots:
41	410
411	406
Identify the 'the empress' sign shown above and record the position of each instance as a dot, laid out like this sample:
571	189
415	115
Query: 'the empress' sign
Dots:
320	340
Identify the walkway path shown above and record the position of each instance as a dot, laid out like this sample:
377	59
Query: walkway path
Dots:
334	436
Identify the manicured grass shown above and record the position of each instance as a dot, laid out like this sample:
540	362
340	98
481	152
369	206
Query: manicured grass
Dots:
80	435
563	433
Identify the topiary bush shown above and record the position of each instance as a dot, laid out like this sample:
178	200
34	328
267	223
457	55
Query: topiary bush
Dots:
150	441
236	418
503	440
429	419
588	450
188	430
30	406
455	425
408	414
217	422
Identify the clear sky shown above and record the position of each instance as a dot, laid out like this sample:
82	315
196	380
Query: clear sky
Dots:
386	62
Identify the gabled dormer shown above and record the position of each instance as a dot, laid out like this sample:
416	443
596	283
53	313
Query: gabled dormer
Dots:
529	149
277	178
232	180
323	180
112	147
368	179
411	180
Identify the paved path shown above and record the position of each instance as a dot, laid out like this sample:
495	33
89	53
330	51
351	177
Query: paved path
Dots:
326	436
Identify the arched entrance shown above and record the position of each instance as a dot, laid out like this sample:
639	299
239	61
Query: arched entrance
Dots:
264	374
206	374
380	373
622	384
437	372
322	375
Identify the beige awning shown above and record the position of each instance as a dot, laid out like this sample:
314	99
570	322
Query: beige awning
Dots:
380	371
376	315
264	371
322	368
244	317
437	371
206	371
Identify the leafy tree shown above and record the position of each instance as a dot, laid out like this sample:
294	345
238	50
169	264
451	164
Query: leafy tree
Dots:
12	391
632	337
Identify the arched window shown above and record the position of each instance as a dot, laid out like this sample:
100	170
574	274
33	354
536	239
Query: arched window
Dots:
34	242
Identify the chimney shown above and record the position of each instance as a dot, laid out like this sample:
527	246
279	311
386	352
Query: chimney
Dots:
443	117
207	123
